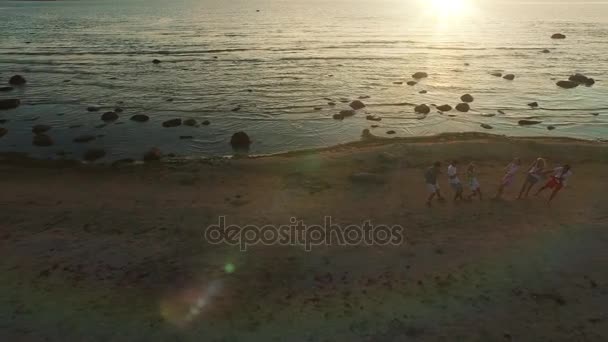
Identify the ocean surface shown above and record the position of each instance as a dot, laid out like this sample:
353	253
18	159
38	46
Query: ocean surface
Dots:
272	73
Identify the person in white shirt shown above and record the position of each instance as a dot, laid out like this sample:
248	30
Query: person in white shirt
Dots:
509	177
454	180
535	174
557	180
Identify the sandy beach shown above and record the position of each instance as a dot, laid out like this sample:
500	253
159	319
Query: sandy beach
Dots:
98	253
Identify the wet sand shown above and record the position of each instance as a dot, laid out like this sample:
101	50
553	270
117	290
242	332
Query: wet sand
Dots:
100	253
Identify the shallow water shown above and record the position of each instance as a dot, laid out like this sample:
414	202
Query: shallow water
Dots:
282	62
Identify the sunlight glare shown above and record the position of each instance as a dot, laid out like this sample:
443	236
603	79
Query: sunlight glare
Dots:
450	7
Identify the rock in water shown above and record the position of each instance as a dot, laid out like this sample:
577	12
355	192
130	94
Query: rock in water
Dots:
486	126
533	104
420	75
373	118
390	132
550	128
42	140
189	122
140	118
423	92
528	122
567	84
412	83
467	98
6	88
9	104
444	108
344	114
240	140
558	36
152	154
463	107
546	51
17	80
92	109
509	77
578	78
156	61
356	105
39	129
422	109
172	123
206	123
3	131
93	154
84	138
109	116
497	74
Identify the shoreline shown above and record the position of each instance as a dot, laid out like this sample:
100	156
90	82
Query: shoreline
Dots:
367	141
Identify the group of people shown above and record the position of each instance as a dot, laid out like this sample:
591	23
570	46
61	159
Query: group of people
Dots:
534	174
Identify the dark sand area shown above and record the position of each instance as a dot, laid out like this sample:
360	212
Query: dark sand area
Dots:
100	253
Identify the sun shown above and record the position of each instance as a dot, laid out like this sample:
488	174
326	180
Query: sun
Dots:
450	7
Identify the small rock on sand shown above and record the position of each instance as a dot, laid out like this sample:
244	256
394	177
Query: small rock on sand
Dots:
9	103
467	98
422	109
38	129
509	77
140	118
94	154
17	80
42	140
463	107
356	105
152	154
240	140
420	75
528	122
172	123
444	108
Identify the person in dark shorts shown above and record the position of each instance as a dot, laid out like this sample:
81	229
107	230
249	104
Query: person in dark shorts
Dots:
430	176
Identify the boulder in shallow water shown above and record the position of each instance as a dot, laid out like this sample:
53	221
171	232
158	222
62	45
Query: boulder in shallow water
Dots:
546	51
497	74
463	107
84	138
172	123
422	92
528	122
344	114
422	109
240	140
533	104
190	122
373	118
356	105
558	36
444	108
391	132
578	78
9	103
17	80
509	77
156	61
486	126
550	128
420	75
467	98
6	88
140	118
94	154
39	129
590	82
153	154
206	123
398	83
412	83
42	140
109	116
567	84
92	109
